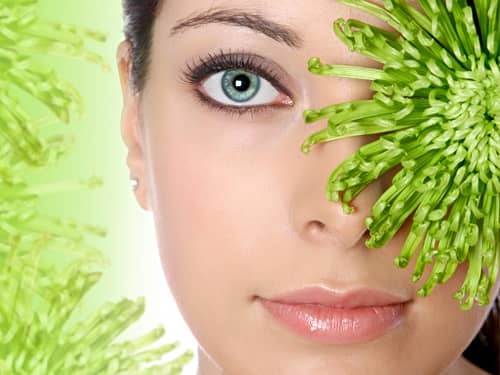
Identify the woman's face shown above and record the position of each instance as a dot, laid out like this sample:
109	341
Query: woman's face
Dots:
241	212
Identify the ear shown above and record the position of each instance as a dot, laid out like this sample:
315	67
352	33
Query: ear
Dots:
131	129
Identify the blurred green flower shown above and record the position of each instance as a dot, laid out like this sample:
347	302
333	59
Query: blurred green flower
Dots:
38	299
436	105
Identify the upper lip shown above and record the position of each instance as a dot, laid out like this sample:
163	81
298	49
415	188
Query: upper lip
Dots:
328	297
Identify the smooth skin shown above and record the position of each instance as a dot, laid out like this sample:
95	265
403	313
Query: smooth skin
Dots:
241	212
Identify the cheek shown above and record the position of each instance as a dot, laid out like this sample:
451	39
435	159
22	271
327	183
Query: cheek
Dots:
194	212
207	216
438	324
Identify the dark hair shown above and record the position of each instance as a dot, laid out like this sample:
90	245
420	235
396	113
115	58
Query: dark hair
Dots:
484	350
139	17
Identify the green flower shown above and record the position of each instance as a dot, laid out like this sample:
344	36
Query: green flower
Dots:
437	105
40	300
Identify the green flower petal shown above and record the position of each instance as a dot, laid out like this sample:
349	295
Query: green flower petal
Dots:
39	300
436	105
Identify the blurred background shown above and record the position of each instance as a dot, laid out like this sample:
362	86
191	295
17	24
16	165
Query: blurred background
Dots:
135	268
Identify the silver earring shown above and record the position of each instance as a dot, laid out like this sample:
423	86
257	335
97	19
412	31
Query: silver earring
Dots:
134	182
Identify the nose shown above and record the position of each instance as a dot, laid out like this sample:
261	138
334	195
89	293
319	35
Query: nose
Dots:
317	219
314	217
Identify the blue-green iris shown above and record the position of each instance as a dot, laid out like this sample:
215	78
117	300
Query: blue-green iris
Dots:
240	85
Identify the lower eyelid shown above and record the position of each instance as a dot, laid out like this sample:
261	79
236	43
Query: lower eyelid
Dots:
232	110
242	108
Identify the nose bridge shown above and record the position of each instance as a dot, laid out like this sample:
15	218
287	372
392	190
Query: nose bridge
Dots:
314	217
317	219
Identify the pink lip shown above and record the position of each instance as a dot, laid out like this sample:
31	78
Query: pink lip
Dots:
323	315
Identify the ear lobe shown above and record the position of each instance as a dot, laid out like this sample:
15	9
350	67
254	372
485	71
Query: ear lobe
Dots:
131	127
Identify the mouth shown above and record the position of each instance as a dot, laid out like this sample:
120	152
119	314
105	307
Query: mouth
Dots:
320	314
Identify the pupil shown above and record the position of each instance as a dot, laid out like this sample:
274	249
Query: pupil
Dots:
241	82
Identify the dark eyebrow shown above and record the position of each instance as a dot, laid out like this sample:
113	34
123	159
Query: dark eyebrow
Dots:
238	17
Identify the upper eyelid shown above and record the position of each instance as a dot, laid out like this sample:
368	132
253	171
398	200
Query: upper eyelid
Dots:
244	58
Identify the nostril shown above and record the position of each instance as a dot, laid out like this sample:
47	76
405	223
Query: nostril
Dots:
315	226
365	237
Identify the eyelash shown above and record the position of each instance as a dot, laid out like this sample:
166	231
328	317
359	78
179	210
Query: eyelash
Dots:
221	61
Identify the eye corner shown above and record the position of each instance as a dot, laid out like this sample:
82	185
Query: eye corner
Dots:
288	101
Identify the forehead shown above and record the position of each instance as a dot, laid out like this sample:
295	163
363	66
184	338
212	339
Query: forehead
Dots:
306	19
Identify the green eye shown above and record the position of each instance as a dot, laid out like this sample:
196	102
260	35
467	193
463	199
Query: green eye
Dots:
239	85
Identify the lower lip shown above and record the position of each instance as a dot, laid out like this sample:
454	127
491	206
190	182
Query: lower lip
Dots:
336	325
